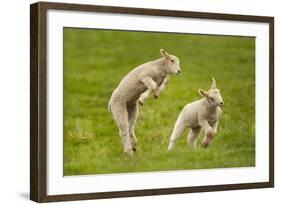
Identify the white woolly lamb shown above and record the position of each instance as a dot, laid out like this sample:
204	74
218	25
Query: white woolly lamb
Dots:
202	114
137	85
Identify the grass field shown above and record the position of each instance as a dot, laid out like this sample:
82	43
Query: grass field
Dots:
94	63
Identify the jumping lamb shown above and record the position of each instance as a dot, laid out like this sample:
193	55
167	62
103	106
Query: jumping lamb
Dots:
200	115
136	86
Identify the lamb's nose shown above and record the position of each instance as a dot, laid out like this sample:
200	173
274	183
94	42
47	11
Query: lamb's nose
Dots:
179	71
221	103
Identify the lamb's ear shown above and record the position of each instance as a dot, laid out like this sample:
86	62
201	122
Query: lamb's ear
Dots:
214	84
164	53
203	93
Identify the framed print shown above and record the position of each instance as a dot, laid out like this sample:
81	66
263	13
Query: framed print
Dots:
134	102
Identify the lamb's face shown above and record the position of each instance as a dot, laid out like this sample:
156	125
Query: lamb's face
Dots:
172	63
213	95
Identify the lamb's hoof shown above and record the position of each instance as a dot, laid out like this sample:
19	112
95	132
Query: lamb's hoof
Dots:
155	96
134	149
170	147
141	103
205	146
130	153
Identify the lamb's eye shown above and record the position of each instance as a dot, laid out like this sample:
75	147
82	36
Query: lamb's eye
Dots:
172	61
212	99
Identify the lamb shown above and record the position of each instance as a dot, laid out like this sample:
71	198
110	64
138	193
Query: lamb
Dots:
135	87
200	115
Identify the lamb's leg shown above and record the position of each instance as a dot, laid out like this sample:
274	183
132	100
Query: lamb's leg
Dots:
209	133
192	137
120	114
144	96
151	87
161	87
133	116
178	130
209	136
215	126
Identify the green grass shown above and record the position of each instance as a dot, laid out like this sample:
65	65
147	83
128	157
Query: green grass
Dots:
94	63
